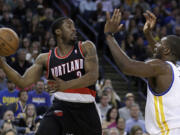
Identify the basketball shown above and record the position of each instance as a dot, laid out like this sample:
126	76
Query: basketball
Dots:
9	42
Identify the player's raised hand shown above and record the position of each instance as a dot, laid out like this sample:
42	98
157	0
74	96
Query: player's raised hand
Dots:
113	23
150	21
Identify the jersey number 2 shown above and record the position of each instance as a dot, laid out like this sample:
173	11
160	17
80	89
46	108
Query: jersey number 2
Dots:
79	74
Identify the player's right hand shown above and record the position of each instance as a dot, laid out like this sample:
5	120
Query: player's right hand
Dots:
113	23
150	21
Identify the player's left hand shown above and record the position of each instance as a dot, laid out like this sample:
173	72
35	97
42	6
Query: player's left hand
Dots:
56	85
113	23
150	21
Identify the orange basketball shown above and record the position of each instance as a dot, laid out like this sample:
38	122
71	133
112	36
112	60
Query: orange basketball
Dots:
9	42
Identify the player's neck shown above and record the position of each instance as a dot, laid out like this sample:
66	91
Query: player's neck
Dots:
63	49
170	58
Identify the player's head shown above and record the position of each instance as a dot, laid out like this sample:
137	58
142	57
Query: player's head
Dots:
64	28
168	47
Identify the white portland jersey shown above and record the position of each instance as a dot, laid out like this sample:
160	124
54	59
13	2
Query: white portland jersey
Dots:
162	113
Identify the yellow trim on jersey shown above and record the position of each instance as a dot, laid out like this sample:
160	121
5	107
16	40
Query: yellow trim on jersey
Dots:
157	115
160	115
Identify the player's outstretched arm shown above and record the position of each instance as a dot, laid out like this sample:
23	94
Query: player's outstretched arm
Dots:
127	65
31	75
148	27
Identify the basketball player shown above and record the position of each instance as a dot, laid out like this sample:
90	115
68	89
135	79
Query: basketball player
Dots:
163	76
74	68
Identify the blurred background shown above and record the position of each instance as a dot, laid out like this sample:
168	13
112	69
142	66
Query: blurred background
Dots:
120	98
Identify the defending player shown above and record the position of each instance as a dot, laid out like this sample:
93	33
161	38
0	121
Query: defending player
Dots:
163	76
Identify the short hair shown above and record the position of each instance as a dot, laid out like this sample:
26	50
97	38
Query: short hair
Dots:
134	129
40	80
173	42
135	105
57	23
21	50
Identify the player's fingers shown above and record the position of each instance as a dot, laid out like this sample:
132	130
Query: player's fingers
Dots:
117	17
146	16
108	16
152	16
114	15
120	27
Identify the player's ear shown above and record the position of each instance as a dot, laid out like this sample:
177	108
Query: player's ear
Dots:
58	32
167	50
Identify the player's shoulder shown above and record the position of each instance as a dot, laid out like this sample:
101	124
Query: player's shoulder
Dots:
88	44
156	61
159	64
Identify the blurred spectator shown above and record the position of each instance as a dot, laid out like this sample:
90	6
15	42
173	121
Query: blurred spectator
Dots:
34	51
177	30
87	6
113	131
136	130
114	99
51	43
36	28
28	117
125	111
98	18
27	21
3	80
144	5
116	3
132	28
40	13
20	9
10	132
20	64
121	126
40	98
107	5
104	105
128	45
7	116
48	19
6	126
139	50
134	120
9	96
21	105
112	117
